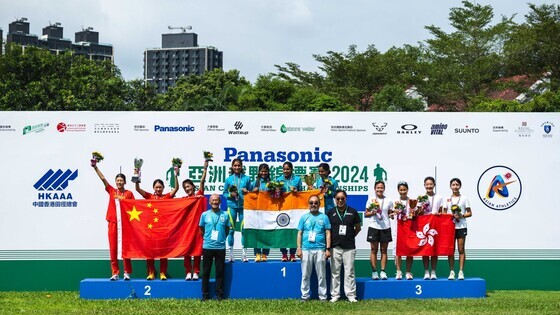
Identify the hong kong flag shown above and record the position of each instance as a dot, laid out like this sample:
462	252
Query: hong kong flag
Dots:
160	228
426	235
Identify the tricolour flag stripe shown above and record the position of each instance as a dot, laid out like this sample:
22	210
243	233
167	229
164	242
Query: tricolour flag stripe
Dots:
272	222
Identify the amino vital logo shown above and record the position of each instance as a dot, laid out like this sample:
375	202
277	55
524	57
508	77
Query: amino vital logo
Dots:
499	188
55	180
188	128
437	129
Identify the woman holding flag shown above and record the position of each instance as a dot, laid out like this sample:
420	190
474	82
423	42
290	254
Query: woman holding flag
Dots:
235	186
433	205
401	210
158	195
260	184
111	217
460	209
291	184
192	270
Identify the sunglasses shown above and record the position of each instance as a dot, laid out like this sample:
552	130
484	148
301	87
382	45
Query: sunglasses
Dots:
340	198
314	202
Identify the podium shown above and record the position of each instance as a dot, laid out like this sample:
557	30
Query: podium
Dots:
277	280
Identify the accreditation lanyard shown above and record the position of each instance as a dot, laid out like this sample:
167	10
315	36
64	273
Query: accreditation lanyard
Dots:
342	227
214	233
312	234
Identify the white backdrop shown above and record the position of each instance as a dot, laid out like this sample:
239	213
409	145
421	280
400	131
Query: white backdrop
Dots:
402	143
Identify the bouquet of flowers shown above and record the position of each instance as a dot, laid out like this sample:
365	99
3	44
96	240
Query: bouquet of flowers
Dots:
177	163
233	189
275	189
376	208
96	157
208	156
326	186
423	203
456	211
310	179
400	210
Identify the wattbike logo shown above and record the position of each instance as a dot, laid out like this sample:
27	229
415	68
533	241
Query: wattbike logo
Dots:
51	189
499	187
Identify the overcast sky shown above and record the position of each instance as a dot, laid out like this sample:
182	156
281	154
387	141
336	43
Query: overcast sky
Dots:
254	35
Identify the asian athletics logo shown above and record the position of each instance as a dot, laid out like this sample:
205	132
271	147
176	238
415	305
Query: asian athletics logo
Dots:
499	187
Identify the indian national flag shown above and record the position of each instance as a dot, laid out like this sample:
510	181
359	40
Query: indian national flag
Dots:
272	222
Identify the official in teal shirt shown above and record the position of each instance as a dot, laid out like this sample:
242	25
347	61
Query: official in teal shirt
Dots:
214	227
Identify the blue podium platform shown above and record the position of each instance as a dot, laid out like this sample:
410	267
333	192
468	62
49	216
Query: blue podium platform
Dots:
102	289
278	280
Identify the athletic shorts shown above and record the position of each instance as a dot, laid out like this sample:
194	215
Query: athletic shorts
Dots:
460	233
382	236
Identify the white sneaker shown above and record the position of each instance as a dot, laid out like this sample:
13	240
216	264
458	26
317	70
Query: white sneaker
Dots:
409	276
399	275
114	277
461	275
433	275
352	300
374	275
126	276
334	300
244	257
195	276
231	258
188	277
383	275
451	275
426	275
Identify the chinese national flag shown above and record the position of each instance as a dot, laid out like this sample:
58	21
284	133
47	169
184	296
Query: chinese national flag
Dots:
426	235
161	228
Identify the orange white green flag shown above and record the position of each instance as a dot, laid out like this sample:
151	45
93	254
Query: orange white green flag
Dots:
272	222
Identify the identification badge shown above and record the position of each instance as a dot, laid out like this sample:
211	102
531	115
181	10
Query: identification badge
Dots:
342	230
214	235
311	237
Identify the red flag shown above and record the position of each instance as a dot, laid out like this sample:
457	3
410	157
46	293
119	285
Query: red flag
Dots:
161	228
426	235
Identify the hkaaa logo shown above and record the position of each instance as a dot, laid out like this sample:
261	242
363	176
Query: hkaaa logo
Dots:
499	187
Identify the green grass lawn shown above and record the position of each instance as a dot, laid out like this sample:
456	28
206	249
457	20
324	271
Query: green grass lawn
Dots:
496	302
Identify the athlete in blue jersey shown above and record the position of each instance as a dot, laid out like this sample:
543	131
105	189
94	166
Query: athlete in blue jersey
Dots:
327	185
235	186
261	254
291	184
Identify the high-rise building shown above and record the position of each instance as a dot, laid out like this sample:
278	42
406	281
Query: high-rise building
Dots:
87	41
87	44
179	55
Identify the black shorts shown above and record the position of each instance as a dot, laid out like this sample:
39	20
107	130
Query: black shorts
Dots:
460	233
382	236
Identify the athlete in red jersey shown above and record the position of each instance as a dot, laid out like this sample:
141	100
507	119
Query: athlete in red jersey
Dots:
158	194
111	217
189	187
